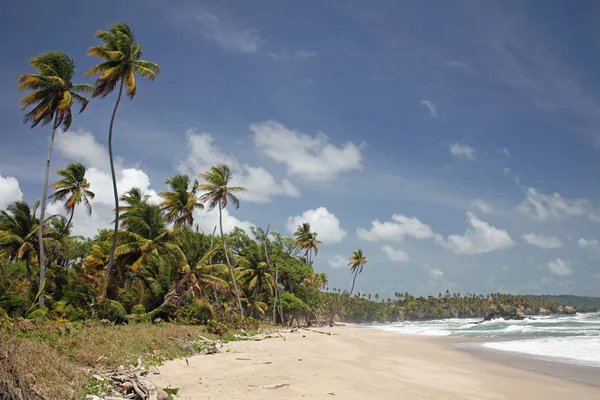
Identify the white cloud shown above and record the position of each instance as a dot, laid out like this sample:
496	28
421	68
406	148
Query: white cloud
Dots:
308	157
227	34
456	64
480	238
395	231
321	221
504	151
261	185
482	206
544	242
554	207
559	267
434	273
9	191
338	261
298	55
589	244
81	146
431	107
506	170
462	151
207	220
395	254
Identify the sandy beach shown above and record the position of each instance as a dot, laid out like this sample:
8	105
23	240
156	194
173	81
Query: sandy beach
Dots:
359	363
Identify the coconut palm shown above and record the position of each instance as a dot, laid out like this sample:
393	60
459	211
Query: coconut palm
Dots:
181	201
218	193
307	240
73	188
121	53
18	231
356	264
51	97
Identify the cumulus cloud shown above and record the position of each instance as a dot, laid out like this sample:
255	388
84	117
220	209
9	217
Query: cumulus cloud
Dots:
227	34
312	158
81	145
431	108
207	220
483	206
554	207
544	242
338	261
261	185
589	244
396	231
395	254
434	273
321	221
559	267
480	238
10	191
462	151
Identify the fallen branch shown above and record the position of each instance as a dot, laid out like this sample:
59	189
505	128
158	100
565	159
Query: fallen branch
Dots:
283	337
321	332
276	386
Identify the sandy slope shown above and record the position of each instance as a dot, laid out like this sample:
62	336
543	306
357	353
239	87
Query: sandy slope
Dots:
358	363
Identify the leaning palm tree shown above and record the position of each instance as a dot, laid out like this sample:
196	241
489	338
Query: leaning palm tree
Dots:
356	264
52	95
180	203
74	188
219	193
121	54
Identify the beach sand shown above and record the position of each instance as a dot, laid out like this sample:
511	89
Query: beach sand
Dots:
359	363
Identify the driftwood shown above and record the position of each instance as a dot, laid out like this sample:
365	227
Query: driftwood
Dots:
276	386
130	384
321	332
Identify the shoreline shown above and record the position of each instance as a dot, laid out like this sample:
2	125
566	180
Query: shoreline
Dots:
354	363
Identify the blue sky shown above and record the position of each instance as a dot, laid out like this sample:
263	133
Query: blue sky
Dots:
457	142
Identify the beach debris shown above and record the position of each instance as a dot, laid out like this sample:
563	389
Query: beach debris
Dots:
276	386
242	358
131	383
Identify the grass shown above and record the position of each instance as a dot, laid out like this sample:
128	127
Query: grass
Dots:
58	360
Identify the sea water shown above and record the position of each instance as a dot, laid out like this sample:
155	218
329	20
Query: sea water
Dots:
570	338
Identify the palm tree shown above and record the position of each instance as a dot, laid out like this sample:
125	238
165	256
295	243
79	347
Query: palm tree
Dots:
219	193
307	240
179	203
73	187
255	274
121	53
52	95
18	229
356	264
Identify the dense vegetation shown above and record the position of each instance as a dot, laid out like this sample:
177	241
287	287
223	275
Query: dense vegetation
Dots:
582	303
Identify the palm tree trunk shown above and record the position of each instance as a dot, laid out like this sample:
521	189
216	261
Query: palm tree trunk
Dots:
348	299
258	286
41	299
111	257
69	222
235	288
212	241
271	270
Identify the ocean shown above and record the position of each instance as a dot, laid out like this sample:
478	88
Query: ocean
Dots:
573	339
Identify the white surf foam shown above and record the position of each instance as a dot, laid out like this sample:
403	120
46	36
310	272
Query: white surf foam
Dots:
575	350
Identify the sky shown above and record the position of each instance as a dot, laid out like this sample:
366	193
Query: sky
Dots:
456	143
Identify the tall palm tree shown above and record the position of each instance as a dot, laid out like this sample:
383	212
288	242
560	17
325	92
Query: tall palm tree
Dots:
52	95
74	188
356	264
121	54
219	193
180	202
